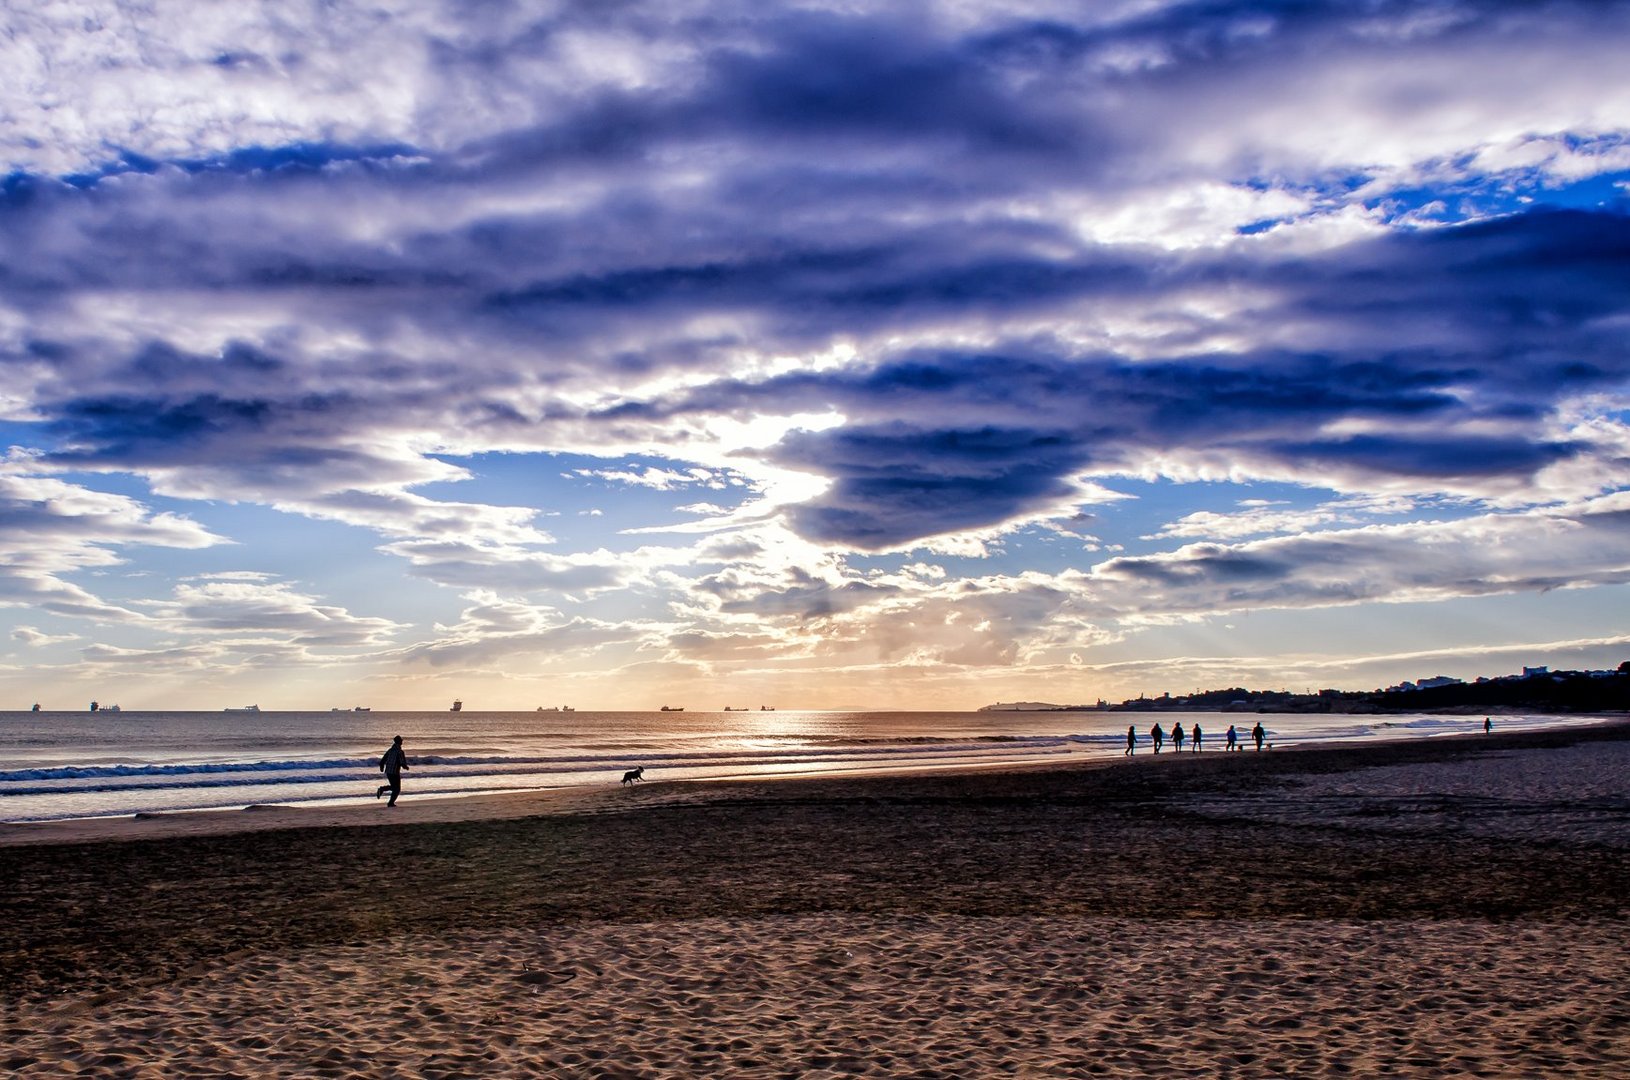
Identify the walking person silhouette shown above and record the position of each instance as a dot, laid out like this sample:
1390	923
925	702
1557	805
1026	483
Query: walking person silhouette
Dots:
392	764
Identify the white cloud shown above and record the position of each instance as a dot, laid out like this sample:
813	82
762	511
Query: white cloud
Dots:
1259	518
652	477
50	529
1575	546
251	609
35	638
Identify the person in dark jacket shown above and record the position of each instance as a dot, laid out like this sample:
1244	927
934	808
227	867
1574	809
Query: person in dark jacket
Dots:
392	764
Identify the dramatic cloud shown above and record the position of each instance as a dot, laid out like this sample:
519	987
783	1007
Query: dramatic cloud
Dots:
50	530
1569	547
375	290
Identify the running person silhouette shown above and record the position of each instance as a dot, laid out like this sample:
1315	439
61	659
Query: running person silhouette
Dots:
392	764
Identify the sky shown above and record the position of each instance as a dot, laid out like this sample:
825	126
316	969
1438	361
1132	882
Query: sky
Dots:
817	355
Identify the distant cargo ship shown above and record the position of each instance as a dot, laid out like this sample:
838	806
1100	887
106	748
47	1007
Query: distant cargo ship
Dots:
673	708
245	708
458	706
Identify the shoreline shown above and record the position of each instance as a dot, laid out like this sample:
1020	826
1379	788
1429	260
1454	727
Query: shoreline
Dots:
609	798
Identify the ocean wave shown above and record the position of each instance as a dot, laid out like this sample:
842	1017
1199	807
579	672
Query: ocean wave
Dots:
95	772
82	780
851	748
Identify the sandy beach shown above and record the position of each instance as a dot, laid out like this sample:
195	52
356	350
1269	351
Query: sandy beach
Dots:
1453	906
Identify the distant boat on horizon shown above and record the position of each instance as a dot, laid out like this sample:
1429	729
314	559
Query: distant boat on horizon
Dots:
567	708
766	708
458	706
36	707
362	708
672	708
552	708
230	708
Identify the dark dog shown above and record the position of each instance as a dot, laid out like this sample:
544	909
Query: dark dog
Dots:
634	774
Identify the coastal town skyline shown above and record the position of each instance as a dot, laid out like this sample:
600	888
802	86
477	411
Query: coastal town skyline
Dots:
808	356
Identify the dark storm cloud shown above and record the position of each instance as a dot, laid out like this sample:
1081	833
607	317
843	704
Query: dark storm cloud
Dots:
1460	327
897	483
270	316
1524	296
789	79
991	437
1426	456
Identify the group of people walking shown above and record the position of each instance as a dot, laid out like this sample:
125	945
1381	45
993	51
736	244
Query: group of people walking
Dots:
1195	736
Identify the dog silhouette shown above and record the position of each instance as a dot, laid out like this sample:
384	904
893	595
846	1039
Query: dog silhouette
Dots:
634	774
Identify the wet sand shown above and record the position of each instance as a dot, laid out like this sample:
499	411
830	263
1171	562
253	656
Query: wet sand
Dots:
1441	907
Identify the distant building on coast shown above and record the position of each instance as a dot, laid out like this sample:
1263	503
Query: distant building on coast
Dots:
1425	684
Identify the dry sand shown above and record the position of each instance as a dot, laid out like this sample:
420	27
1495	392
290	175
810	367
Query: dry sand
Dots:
848	995
1450	908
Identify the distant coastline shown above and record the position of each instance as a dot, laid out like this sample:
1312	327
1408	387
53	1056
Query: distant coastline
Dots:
1537	689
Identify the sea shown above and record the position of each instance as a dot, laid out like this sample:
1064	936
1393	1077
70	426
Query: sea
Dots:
58	765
